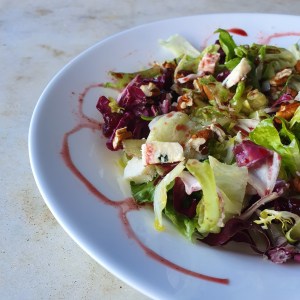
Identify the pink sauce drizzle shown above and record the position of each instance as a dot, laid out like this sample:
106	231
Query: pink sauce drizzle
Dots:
266	40
123	206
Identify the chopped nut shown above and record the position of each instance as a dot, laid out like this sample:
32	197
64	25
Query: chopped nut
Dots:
197	85
205	133
287	111
150	89
199	140
281	77
196	143
297	66
181	74
120	135
184	101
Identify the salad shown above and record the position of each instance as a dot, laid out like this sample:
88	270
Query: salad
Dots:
211	139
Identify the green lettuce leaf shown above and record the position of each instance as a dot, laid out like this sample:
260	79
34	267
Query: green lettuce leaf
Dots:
290	223
255	100
231	64
223	151
231	181
179	46
113	104
184	224
295	49
122	79
266	135
160	195
293	235
295	124
296	118
293	82
227	43
275	60
144	192
210	49
237	100
204	116
223	188
219	94
208	209
188	64
165	128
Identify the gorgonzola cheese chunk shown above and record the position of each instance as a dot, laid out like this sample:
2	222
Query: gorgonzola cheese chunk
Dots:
161	152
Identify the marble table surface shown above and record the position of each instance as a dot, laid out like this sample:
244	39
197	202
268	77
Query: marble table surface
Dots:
38	260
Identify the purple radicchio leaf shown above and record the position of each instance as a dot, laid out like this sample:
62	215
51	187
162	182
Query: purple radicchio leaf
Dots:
285	98
289	204
239	230
263	165
248	154
183	203
135	104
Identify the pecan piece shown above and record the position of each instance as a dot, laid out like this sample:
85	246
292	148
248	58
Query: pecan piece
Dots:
287	111
281	77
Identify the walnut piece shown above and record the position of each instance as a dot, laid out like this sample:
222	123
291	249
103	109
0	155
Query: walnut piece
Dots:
150	89
184	101
120	135
199	140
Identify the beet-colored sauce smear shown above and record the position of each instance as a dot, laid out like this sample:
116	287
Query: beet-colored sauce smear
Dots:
123	206
81	101
266	40
238	31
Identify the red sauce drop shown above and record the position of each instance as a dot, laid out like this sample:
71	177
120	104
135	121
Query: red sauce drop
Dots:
238	31
123	206
170	114
181	127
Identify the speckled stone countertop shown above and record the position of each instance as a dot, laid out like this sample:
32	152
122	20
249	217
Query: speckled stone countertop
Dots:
38	260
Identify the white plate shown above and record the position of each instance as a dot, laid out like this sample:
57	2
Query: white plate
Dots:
97	226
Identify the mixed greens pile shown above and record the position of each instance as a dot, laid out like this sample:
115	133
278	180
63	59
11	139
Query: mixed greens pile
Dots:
212	140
